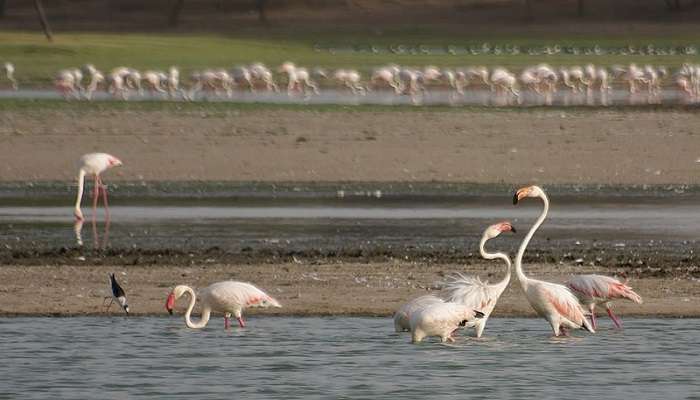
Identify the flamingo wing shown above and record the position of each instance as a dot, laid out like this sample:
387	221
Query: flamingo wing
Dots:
473	292
563	302
239	294
602	287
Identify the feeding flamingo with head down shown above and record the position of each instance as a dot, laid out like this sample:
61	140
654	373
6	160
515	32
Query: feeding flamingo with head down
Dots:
478	295
552	301
228	297
94	164
599	289
441	319
402	317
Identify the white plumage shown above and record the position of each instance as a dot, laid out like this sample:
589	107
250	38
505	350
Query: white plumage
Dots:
441	319
402	317
228	297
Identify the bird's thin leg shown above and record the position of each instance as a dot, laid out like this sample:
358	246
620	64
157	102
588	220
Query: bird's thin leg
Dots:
594	322
95	196
104	197
241	322
615	320
227	322
111	300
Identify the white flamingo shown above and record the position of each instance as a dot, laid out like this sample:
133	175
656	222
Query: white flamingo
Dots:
10	74
599	289
552	301
228	297
441	319
94	164
478	295
402	317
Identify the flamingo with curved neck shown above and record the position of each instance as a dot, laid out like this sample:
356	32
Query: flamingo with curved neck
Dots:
228	297
94	164
552	301
472	291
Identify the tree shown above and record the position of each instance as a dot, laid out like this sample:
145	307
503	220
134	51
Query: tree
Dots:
260	5
42	19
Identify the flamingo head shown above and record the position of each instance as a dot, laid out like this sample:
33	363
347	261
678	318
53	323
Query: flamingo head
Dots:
174	295
496	229
114	162
529	191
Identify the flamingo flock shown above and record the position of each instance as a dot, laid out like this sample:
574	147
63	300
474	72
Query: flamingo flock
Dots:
542	80
469	301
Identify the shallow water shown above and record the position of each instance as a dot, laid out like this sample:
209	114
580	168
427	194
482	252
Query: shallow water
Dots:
319	358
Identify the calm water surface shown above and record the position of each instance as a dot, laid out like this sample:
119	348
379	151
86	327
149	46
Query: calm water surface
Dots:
314	358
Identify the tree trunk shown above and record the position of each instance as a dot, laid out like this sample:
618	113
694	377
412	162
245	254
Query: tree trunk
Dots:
42	18
175	13
678	5
580	8
528	9
260	5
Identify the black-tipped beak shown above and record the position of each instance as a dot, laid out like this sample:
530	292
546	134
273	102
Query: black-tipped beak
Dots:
512	229
170	311
515	198
478	314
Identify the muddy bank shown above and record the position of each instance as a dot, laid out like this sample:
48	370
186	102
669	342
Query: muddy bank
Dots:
484	146
303	289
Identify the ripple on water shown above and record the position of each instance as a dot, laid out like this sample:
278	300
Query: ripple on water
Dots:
295	358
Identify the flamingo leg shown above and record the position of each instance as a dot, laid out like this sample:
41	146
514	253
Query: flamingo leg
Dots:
227	321
241	322
95	196
615	319
594	321
104	197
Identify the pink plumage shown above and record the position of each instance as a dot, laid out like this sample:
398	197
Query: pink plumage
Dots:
599	289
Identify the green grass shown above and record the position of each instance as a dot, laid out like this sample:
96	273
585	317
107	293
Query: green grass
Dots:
37	61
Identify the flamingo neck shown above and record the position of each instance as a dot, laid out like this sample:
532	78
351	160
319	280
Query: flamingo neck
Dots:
81	184
519	257
206	311
492	256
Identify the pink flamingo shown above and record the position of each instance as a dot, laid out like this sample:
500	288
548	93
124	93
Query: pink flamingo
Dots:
471	291
228	297
94	164
599	289
552	301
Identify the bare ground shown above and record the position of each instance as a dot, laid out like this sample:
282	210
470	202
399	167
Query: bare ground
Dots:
325	289
540	146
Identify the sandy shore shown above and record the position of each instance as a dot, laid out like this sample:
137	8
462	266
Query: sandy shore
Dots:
323	289
499	146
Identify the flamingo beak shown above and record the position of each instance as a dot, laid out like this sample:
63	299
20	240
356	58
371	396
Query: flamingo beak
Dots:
520	194
170	303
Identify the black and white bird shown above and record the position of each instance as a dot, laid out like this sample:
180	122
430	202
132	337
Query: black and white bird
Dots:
118	295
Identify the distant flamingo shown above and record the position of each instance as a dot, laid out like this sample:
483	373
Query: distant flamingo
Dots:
552	301
441	319
599	289
402	317
94	164
478	295
228	297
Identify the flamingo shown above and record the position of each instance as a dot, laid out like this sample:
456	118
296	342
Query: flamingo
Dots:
117	294
229	297
441	319
471	291
552	301
402	317
95	164
599	289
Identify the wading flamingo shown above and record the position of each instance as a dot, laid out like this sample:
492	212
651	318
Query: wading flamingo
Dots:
552	301
599	289
228	297
402	317
478	295
441	319
94	164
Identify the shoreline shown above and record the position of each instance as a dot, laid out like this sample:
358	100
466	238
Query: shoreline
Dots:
340	289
